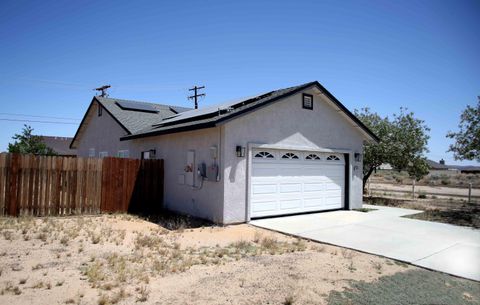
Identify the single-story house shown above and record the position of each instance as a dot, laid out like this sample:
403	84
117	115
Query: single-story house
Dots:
468	169
440	168
61	145
287	151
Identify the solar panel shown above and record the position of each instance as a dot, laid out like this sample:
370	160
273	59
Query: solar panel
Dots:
178	109
136	106
204	111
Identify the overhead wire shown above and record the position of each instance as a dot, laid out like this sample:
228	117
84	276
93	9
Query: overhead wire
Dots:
37	121
39	116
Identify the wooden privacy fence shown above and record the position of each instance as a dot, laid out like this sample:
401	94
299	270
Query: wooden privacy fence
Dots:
50	185
131	185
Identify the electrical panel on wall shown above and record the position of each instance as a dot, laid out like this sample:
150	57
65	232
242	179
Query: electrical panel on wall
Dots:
202	170
190	168
212	172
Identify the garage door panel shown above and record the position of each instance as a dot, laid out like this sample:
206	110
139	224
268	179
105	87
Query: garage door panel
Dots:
264	189
262	206
283	186
291	188
290	204
313	202
313	195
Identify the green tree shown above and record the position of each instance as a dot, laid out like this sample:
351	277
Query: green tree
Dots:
27	143
467	139
403	142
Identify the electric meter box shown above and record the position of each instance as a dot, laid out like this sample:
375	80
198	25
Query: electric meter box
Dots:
212	172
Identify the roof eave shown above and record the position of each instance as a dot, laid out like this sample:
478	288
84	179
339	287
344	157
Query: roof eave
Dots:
360	124
169	131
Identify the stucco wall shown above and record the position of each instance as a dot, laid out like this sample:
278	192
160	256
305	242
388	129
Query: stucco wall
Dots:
286	124
102	133
206	202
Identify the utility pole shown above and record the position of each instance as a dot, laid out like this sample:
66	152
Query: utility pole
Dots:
103	90
195	96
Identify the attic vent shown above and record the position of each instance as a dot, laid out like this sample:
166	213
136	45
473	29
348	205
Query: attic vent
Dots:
136	106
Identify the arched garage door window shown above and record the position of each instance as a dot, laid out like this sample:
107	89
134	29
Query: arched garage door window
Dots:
333	158
264	155
290	156
312	157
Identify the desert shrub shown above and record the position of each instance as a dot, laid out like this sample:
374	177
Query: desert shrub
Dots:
398	179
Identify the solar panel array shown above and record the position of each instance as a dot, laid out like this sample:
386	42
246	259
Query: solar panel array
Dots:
136	106
204	111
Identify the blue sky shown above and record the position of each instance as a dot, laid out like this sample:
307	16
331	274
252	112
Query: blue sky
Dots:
423	55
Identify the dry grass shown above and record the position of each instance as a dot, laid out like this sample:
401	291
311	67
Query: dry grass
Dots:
144	255
10	288
116	259
436	179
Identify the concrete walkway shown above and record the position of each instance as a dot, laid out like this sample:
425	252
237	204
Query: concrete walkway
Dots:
437	246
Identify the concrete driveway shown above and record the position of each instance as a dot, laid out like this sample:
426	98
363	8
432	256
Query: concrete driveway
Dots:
437	246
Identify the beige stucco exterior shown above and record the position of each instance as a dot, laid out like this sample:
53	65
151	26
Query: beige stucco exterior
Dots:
282	124
102	133
285	124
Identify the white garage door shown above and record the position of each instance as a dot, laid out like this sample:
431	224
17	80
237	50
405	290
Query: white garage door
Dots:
286	182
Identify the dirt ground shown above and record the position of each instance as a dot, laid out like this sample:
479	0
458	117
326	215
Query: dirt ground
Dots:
449	211
122	259
427	190
435	179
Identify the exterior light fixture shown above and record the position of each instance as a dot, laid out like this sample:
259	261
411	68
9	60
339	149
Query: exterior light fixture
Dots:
240	151
358	157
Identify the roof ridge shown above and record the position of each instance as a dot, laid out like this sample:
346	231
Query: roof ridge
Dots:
168	120
211	118
137	101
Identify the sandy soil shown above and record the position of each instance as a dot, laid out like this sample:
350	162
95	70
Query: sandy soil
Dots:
123	259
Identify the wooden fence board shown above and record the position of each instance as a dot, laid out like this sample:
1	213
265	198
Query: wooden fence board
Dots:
3	176
51	185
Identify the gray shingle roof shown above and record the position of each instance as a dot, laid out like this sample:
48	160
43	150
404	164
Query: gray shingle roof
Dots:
213	114
135	121
209	117
60	145
435	165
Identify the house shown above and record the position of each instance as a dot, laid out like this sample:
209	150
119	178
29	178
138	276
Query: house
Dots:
440	168
286	151
61	145
468	169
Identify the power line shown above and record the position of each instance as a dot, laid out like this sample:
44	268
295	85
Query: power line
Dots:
35	121
38	116
195	96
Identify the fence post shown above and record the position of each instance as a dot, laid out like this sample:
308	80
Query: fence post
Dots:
470	192
413	189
